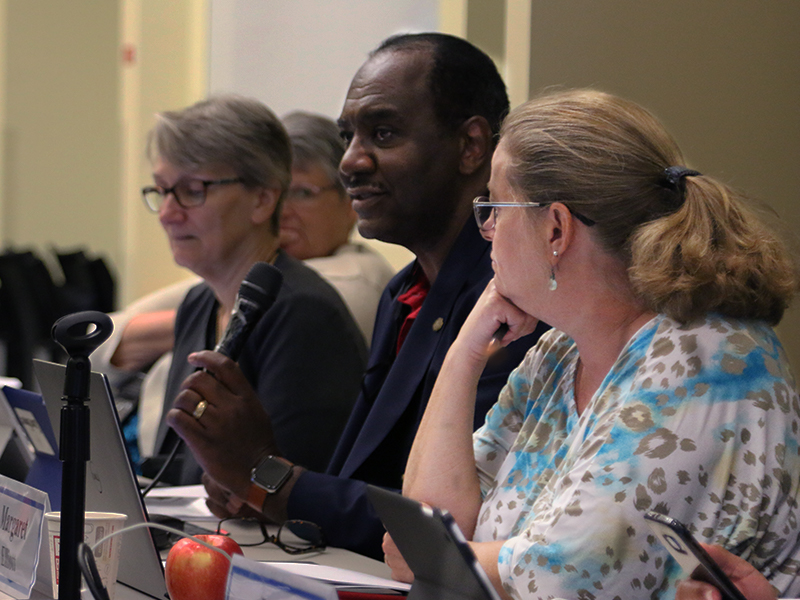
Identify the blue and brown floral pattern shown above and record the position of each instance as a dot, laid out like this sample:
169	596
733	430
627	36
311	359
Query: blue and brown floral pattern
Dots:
699	422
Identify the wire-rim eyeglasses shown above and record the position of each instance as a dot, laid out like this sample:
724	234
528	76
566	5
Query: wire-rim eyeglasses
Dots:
486	211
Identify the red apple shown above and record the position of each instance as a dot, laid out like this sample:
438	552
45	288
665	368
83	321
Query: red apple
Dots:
194	572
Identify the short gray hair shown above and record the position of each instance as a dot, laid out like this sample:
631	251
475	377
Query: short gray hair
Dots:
315	141
229	130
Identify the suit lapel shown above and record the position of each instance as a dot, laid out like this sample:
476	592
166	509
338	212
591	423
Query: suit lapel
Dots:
427	339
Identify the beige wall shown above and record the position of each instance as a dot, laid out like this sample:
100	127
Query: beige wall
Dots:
3	88
724	75
169	72
60	135
501	29
74	116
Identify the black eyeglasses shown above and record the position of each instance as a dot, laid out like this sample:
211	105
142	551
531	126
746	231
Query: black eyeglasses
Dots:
486	211
293	537
188	193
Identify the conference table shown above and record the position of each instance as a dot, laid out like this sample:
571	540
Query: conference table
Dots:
250	533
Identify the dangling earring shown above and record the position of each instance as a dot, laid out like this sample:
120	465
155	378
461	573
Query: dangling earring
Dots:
553	283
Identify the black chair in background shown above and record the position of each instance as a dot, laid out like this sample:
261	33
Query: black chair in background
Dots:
88	282
30	302
29	305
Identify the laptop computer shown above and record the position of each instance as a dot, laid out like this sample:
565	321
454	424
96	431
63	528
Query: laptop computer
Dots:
430	541
110	482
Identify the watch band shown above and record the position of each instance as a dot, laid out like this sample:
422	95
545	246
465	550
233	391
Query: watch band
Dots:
256	496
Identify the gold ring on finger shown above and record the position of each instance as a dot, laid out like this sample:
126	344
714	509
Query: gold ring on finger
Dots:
200	409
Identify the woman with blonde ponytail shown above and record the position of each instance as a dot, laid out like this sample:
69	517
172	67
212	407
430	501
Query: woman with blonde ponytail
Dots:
662	385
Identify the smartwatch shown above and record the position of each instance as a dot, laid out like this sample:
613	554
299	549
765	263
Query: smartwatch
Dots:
267	477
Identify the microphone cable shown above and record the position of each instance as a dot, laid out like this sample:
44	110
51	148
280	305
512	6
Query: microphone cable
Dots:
167	463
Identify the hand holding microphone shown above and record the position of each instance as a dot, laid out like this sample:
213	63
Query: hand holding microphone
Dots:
257	294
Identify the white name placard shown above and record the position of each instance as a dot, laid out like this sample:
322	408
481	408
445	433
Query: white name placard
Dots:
248	579
22	511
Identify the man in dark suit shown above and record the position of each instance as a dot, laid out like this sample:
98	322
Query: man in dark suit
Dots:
420	122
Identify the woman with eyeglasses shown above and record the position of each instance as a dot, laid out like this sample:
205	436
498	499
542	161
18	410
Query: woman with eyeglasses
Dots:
661	387
315	226
221	169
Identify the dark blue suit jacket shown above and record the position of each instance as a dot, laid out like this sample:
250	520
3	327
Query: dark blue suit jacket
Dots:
376	442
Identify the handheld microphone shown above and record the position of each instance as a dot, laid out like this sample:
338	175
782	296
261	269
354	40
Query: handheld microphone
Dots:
256	295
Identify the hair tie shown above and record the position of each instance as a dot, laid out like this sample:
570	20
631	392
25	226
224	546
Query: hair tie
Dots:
674	180
674	176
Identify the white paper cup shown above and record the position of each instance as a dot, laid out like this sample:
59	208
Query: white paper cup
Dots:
97	525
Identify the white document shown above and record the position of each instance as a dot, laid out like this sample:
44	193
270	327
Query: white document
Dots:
178	491
12	431
342	578
34	431
187	502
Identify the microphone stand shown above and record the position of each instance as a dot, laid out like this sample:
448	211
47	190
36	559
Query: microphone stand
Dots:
79	334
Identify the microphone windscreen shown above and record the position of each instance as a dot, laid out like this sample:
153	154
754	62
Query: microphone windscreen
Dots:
261	285
257	293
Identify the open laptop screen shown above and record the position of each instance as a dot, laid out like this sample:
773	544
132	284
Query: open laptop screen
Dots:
110	482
